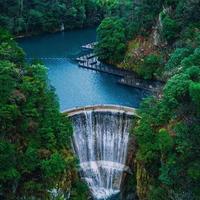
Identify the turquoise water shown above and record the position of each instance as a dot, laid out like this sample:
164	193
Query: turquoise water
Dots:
76	86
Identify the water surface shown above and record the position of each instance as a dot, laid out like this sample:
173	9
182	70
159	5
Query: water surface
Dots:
76	86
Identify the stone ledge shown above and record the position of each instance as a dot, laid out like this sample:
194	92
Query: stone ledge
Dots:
101	108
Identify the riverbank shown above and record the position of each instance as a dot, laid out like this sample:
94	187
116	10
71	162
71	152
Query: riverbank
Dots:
37	33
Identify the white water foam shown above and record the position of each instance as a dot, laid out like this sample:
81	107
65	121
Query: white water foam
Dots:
100	141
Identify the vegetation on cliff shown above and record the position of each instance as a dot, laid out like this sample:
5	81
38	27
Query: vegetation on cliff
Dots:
168	136
153	30
168	162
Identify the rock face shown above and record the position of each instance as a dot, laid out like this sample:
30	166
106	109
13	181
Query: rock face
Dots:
128	186
106	154
142	179
156	35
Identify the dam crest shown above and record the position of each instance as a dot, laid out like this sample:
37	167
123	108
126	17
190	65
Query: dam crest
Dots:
101	108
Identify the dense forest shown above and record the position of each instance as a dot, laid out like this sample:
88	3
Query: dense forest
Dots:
169	129
25	17
157	39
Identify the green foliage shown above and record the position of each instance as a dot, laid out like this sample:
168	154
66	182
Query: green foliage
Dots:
9	50
144	15
79	191
192	60
112	40
168	134
170	28
165	141
194	90
24	17
35	154
53	166
194	171
187	11
190	36
35	16
176	57
157	193
177	89
151	66
8	171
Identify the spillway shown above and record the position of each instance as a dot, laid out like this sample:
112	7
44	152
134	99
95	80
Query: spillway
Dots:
100	140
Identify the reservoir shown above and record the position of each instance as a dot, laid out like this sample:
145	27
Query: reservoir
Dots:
76	86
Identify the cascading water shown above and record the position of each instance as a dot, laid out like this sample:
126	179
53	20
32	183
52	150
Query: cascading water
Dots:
100	140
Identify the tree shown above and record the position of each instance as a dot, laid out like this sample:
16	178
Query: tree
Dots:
168	135
151	65
111	40
35	152
176	57
34	16
170	28
188	11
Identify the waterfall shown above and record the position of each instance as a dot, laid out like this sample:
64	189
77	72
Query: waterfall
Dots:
100	140
62	28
